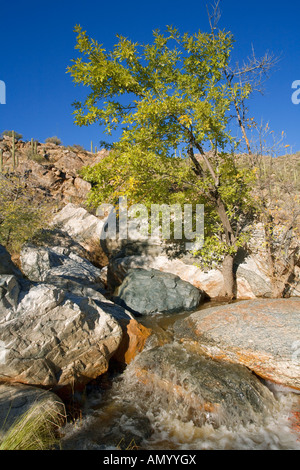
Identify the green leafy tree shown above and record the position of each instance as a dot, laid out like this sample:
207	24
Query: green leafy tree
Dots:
171	95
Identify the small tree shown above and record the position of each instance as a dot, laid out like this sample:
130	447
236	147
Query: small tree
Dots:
276	193
169	95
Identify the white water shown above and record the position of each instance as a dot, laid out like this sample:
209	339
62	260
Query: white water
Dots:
144	415
122	405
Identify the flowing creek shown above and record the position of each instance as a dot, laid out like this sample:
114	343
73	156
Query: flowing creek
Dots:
169	398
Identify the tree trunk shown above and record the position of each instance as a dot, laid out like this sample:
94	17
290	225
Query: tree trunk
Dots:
242	127
229	286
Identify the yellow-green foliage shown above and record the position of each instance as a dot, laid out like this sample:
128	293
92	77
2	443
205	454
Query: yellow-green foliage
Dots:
21	213
168	96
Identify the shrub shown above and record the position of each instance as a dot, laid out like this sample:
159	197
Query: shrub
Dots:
32	155
53	140
9	134
21	213
77	148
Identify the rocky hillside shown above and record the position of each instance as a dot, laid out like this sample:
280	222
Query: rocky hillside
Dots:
50	169
52	173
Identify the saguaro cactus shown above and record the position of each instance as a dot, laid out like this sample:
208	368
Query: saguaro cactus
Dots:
1	160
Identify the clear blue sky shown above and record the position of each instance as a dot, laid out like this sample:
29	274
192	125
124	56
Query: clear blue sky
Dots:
37	43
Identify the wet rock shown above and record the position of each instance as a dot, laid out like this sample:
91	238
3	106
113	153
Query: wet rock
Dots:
150	291
260	334
128	433
133	341
193	387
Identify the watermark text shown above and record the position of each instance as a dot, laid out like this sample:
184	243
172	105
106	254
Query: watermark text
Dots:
2	92
162	221
296	94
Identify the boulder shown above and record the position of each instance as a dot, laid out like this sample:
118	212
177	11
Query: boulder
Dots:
260	334
251	282
82	187
150	291
79	224
56	339
18	399
69	162
59	266
194	388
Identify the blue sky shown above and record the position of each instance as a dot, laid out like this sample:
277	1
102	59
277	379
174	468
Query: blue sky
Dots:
37	44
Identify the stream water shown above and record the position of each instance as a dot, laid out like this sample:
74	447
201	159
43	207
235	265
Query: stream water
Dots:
168	398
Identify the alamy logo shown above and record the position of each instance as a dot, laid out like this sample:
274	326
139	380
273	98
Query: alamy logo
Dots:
164	221
2	92
296	94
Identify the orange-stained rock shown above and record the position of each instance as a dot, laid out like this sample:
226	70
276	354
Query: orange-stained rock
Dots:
295	418
133	342
262	335
295	423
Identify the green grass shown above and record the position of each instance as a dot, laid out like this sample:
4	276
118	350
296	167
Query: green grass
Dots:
37	429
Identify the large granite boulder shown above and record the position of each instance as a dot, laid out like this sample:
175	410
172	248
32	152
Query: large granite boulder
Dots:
79	224
150	291
262	334
56	339
84	228
63	268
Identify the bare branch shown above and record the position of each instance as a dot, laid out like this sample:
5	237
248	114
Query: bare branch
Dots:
254	71
214	14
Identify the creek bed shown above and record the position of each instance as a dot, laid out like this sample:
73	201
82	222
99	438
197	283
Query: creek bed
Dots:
170	399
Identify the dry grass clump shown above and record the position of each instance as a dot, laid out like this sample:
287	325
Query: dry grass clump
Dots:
37	429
